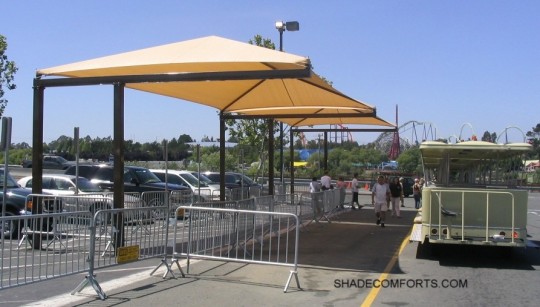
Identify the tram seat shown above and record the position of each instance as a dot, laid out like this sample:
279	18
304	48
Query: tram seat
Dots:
449	219
448	213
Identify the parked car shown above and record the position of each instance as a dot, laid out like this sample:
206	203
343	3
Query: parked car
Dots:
51	162
408	183
139	180
85	170
17	203
60	184
136	179
235	181
232	180
202	191
66	185
204	179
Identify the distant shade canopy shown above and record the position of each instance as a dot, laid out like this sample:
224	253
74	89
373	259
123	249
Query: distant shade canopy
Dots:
296	101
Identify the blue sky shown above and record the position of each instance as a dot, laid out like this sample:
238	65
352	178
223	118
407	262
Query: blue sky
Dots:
446	63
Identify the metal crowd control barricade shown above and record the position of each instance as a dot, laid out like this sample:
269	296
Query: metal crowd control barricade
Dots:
44	246
289	203
331	200
316	201
245	236
180	198
117	238
71	238
304	207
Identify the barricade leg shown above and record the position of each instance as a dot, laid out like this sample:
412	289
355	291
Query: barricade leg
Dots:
175	260
90	279
25	239
295	273
57	235
168	268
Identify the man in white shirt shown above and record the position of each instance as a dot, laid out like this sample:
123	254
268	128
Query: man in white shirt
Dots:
326	181
379	199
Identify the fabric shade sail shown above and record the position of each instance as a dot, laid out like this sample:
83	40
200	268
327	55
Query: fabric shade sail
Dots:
297	101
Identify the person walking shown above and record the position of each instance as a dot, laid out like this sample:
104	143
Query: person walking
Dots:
396	193
402	198
380	195
416	190
354	188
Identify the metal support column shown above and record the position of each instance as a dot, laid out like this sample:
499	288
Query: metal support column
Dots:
270	157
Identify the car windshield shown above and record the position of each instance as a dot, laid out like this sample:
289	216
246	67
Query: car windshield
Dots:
87	186
11	183
145	176
247	180
61	160
192	180
204	179
214	178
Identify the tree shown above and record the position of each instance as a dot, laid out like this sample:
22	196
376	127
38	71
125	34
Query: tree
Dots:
254	132
7	74
489	137
410	161
534	140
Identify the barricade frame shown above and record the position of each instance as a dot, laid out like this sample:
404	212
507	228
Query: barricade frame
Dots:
238	233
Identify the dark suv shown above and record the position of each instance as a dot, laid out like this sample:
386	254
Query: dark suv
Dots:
51	162
408	183
85	170
232	180
17	203
236	181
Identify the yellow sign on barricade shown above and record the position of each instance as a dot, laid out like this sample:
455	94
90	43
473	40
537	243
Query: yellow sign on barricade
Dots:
127	254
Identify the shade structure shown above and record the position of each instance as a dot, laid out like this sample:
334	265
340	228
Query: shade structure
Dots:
297	101
339	117
235	78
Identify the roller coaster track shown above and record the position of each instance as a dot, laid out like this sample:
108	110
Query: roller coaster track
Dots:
411	134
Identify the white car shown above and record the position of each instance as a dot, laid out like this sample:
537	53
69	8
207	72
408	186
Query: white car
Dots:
94	197
202	192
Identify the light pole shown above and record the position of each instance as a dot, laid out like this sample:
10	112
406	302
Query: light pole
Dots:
281	26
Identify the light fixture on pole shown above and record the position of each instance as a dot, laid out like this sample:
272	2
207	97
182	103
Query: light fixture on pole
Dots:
281	26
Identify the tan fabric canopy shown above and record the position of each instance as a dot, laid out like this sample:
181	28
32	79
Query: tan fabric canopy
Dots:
300	97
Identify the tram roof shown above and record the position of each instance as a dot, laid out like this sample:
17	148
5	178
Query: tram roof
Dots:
465	153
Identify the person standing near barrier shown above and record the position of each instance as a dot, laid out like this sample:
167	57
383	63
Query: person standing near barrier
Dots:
354	188
341	185
380	195
396	193
314	186
315	189
416	190
326	181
